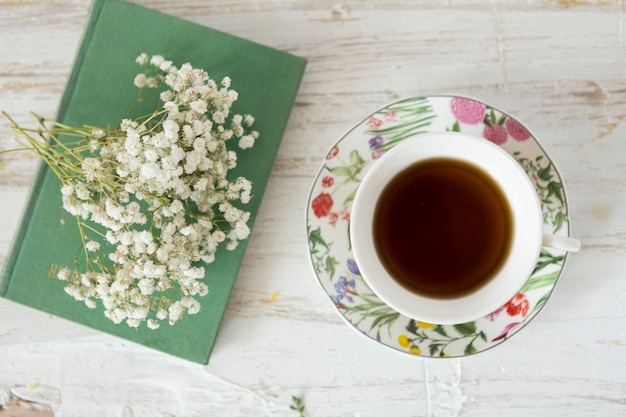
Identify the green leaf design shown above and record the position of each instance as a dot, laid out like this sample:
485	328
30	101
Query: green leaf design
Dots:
331	263
545	259
350	197
441	330
540	282
315	236
372	307
433	348
411	327
413	116
466	329
341	171
396	134
554	189
355	158
385	319
540	303
349	172
544	174
559	219
549	189
470	349
456	127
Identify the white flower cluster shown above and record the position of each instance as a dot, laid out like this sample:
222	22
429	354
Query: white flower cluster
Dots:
158	188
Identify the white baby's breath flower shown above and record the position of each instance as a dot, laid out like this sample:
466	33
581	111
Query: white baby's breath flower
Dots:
246	142
156	60
92	246
67	189
199	106
140	80
248	120
142	59
170	106
161	191
63	274
219	117
165	65
166	96
175	312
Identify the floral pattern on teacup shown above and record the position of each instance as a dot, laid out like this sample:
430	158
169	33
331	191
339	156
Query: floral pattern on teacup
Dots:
328	216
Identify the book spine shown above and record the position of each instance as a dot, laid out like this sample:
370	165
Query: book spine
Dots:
14	253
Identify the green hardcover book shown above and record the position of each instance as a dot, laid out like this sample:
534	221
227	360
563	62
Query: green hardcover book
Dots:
100	92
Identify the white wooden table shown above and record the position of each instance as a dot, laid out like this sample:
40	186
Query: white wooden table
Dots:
558	65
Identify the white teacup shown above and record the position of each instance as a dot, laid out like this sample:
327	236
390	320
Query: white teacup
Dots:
524	241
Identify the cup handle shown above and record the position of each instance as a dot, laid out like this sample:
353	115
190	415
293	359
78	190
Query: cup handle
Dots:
565	243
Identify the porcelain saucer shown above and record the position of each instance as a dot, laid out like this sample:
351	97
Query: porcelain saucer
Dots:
328	216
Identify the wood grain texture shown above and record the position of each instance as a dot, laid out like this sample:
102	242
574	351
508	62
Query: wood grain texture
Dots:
557	65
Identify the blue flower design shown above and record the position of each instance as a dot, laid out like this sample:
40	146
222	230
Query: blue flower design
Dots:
353	267
376	142
336	300
343	288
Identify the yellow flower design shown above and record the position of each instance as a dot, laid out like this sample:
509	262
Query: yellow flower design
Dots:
415	350
404	341
424	325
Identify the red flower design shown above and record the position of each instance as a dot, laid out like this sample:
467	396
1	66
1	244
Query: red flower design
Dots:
333	152
467	111
332	218
327	181
516	130
322	204
374	123
496	134
517	305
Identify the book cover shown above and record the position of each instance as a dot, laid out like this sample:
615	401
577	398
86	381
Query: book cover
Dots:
100	92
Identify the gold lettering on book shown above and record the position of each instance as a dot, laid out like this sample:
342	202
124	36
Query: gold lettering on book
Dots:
159	303
71	276
53	271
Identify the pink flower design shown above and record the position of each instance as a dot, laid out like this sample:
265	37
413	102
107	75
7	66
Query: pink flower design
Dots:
468	111
509	329
378	153
332	218
327	181
495	314
516	130
345	214
374	123
496	134
391	116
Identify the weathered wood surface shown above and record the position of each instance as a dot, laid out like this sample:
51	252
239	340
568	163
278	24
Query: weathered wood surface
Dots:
557	65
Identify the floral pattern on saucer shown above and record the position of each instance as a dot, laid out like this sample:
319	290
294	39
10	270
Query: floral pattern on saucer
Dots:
328	216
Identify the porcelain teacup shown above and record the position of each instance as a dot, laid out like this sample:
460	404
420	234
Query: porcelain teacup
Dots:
521	239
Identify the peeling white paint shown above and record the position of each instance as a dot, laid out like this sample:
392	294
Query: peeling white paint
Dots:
443	380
